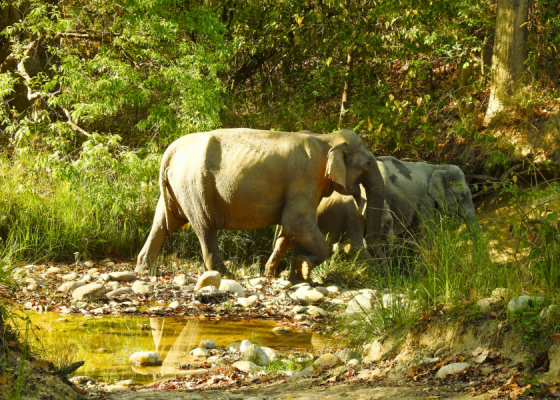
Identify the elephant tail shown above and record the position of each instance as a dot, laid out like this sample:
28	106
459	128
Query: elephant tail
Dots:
163	188
277	234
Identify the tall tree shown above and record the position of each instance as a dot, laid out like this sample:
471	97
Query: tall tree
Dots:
510	53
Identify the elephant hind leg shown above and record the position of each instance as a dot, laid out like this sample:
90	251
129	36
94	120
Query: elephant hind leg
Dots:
147	257
208	238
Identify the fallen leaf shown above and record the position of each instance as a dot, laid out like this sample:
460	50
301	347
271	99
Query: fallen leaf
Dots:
5	378
555	337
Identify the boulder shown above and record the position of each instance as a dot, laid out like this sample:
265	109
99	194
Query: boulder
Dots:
209	278
231	286
255	354
90	291
207	344
451	369
141	287
122	276
145	358
247	366
69	286
523	302
327	360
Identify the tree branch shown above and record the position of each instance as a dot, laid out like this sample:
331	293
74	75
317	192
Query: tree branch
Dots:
74	125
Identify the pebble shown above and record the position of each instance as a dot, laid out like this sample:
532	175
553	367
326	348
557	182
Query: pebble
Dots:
209	278
247	366
31	287
316	311
333	289
122	276
174	304
200	352
258	281
348	354
207	344
119	292
313	295
89	292
299	309
88	264
116	388
141	287
522	302
53	271
145	358
128	382
327	360
247	302
283	284
322	290
70	277
231	286
353	362
183	279
453	368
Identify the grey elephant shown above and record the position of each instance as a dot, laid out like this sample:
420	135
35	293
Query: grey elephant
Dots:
414	190
247	179
341	220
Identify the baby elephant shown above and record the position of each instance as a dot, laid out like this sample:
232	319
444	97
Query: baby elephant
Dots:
341	220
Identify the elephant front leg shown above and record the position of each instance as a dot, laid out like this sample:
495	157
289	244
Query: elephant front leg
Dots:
281	246
146	262
208	238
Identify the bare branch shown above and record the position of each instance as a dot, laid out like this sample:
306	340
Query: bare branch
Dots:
74	125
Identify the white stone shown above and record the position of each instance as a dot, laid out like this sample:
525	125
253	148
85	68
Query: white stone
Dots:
322	290
180	279
199	352
255	354
316	311
271	354
333	289
244	345
116	388
209	278
122	276
487	303
207	344
88	264
504	293
283	284
53	271
145	358
353	363
89	292
69	286
174	304
300	298
451	369
359	304
328	360
247	302
209	289
247	366
70	277
522	302
119	293
141	287
393	300
299	309
231	286
258	281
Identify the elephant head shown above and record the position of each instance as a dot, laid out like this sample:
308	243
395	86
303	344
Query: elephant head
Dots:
448	188
349	164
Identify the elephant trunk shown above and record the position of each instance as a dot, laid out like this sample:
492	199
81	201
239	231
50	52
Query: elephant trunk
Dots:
375	190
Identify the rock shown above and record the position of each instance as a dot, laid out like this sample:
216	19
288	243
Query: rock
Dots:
114	284
353	363
327	360
207	344
300	298
53	271
348	354
116	388
31	287
248	302
181	279
209	289
81	380
145	358
88	264
105	277
231	286
489	302
89	292
174	304
322	290
300	285
141	287
271	354
119	293
35	281
450	369
333	289
233	347
439	352
127	382
199	352
392	300
283	284
316	311
440	344
244	345
350	294
278	330
306	372
209	278
522	302
313	295
299	309
247	366
504	293
122	276
255	354
70	277
548	313
359	304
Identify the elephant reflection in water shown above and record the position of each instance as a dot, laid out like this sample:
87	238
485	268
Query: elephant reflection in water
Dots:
175	351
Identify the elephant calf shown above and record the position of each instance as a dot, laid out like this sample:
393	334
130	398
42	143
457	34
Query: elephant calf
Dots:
341	220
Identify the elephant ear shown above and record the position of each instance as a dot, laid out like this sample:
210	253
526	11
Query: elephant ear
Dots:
336	164
437	186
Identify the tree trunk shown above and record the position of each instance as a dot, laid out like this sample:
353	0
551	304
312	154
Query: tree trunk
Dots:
345	103
510	52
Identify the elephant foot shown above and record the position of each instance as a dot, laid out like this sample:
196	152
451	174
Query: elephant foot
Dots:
305	270
142	269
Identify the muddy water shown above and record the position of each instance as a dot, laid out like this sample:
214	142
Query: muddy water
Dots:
82	338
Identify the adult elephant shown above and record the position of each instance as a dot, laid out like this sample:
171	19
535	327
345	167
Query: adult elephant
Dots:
342	221
247	179
415	190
